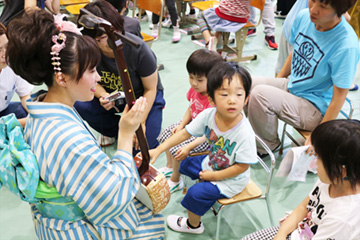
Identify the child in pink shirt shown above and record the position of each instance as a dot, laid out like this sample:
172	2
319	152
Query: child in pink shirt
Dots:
198	65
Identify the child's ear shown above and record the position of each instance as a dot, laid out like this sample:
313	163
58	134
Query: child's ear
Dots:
211	101
246	100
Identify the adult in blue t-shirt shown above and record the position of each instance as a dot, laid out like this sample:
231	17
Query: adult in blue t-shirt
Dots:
312	85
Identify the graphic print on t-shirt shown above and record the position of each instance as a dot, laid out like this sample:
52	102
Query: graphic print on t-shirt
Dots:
110	81
307	228
220	149
197	107
306	57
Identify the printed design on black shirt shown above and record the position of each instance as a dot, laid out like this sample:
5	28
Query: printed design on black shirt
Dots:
110	81
219	147
306	58
307	228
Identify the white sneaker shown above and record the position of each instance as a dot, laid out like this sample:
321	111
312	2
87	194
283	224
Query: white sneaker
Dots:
105	141
191	16
166	171
175	186
179	224
155	31
144	17
212	44
166	23
176	35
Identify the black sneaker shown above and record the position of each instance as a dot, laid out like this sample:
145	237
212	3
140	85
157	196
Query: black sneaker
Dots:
144	17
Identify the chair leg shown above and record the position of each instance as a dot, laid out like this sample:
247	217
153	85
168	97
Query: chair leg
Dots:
240	42
269	211
226	36
218	221
281	150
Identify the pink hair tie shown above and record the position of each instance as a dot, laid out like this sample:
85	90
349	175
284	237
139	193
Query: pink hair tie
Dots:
66	26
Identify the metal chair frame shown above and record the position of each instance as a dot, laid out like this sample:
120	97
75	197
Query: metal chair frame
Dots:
154	6
306	134
251	191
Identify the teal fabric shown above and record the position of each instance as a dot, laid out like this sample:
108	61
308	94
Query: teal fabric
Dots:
19	170
63	208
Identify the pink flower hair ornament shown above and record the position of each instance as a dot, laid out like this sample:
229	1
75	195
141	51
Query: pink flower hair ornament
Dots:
66	26
59	43
60	39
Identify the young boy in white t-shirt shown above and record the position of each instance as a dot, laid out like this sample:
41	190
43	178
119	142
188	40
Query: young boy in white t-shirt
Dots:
226	170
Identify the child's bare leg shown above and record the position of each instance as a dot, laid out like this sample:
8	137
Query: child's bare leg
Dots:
194	219
175	176
218	35
207	35
169	159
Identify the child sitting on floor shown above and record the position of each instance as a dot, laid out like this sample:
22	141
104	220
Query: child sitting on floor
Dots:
226	170
198	65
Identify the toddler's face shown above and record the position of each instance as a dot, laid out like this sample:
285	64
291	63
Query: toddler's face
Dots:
230	98
198	83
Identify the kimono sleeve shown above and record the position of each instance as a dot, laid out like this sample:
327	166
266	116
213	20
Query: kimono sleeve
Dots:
102	187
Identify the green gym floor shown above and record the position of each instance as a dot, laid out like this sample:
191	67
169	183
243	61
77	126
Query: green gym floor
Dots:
237	220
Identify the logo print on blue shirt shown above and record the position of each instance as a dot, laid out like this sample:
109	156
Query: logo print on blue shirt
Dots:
306	58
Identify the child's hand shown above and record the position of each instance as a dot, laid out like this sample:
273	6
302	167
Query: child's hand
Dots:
131	119
106	103
154	154
278	237
182	153
176	129
207	175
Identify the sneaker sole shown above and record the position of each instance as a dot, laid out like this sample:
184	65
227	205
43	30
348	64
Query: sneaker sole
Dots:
269	46
177	188
252	35
168	174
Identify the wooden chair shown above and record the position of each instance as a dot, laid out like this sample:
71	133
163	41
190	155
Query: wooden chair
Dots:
251	191
72	2
147	39
240	36
203	5
154	6
181	8
346	113
75	9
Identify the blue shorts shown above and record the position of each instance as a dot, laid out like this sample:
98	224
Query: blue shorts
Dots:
201	196
16	108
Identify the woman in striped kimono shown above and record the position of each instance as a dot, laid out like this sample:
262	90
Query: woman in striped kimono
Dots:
96	194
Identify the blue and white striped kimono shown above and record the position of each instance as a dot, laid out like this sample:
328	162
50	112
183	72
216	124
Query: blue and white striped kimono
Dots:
70	159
